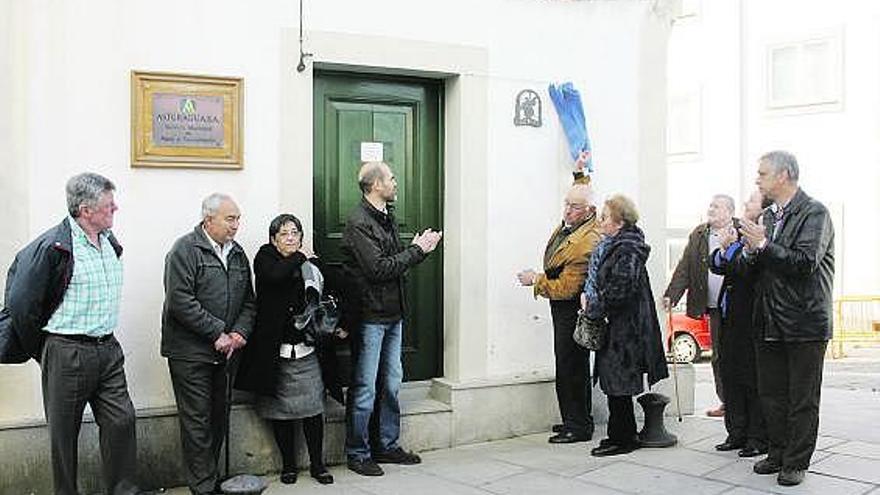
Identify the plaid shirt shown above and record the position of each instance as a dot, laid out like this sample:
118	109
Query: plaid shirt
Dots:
91	303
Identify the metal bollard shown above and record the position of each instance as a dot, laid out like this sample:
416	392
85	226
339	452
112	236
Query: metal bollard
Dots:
654	432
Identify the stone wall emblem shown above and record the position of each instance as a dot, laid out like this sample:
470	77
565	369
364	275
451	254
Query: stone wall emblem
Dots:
528	109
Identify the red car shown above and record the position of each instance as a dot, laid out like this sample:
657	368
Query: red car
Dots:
688	338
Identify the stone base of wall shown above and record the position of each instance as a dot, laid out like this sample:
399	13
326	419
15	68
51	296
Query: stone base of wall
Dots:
437	414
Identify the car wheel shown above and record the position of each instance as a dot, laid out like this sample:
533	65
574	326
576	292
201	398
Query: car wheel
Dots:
685	348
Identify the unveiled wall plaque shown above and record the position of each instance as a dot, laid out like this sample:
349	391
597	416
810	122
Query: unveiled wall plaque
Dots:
185	121
528	109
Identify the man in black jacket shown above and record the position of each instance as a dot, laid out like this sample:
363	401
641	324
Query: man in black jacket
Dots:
792	254
208	314
692	274
375	262
62	309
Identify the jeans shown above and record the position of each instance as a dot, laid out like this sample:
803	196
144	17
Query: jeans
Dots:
377	366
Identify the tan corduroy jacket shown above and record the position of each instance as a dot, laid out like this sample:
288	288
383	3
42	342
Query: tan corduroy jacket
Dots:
569	261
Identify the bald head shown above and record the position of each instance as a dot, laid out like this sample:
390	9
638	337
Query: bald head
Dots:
370	173
378	183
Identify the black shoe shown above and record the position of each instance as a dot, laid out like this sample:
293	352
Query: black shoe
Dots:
751	451
569	437
557	428
397	456
766	466
790	477
288	477
606	442
613	449
729	445
366	467
321	475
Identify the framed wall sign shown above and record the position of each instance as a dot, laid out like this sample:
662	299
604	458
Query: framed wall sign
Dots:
186	121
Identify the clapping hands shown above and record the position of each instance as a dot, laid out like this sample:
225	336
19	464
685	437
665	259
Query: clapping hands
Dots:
728	237
753	234
427	240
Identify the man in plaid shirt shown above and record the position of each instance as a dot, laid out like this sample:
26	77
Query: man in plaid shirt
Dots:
62	306
62	300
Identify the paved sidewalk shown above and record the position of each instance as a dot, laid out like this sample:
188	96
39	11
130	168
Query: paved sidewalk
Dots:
529	465
847	459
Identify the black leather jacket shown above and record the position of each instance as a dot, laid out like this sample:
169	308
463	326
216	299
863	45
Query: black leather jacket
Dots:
35	286
795	273
375	262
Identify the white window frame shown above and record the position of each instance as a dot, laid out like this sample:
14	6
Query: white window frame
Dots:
803	102
690	9
690	104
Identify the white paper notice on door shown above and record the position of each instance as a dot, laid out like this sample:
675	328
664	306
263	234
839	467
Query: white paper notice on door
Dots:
371	152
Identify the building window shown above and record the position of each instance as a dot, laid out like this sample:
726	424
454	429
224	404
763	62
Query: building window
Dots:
689	8
804	74
685	123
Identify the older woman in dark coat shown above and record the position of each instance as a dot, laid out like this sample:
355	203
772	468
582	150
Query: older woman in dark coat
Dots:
277	364
634	348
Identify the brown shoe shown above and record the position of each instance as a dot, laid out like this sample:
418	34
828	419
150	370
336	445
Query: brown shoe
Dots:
718	412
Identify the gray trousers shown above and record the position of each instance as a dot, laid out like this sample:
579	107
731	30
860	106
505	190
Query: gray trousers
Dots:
75	373
200	392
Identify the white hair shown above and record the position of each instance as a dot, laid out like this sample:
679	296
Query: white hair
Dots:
86	189
782	160
727	200
586	191
211	204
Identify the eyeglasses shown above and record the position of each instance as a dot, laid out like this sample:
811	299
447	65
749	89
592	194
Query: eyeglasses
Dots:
289	233
575	206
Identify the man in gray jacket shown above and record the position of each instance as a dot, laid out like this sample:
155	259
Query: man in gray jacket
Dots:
208	314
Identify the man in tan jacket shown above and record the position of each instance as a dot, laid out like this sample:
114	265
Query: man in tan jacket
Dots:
565	267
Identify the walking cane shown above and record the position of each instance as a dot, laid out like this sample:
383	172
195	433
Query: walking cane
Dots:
242	484
674	363
228	417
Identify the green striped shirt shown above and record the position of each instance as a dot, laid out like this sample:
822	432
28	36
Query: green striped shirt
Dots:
91	303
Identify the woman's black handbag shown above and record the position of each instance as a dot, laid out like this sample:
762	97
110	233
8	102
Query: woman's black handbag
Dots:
590	333
319	320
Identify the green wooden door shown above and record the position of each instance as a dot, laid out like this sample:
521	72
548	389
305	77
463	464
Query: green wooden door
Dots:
402	117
